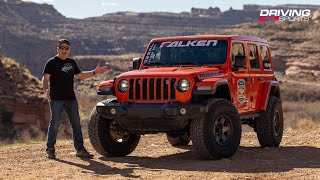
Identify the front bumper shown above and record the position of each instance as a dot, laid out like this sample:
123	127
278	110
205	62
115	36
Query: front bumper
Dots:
151	117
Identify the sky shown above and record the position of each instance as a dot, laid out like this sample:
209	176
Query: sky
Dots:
91	8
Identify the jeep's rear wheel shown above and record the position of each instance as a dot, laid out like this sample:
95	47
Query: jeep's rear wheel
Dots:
107	139
178	140
217	135
270	124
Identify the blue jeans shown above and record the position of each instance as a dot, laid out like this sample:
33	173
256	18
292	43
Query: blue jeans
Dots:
71	108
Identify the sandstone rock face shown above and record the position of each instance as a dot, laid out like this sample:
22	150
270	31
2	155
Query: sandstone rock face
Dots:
31	112
22	104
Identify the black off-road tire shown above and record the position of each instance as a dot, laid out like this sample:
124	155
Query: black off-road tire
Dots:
205	135
101	140
178	140
270	124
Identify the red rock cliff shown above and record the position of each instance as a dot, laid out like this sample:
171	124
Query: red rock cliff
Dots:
21	96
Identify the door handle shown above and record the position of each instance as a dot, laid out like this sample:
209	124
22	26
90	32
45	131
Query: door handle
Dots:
248	79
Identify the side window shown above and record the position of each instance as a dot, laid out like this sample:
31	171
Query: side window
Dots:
265	57
253	56
237	51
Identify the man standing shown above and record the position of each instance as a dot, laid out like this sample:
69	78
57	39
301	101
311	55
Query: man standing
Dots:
60	71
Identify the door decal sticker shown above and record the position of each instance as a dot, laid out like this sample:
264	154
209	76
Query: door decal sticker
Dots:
241	91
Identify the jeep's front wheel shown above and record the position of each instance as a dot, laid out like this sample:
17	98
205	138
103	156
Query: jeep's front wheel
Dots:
270	124
178	140
107	140
217	135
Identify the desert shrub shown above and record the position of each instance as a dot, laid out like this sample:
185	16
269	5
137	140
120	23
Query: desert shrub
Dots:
300	101
299	92
86	103
301	114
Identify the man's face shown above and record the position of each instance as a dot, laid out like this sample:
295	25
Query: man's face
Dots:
63	50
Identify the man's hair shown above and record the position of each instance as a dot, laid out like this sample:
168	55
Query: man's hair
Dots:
61	41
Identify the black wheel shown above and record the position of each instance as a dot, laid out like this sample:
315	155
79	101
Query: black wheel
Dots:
217	135
178	140
106	138
270	124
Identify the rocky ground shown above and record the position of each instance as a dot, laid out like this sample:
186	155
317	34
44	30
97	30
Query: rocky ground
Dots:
297	158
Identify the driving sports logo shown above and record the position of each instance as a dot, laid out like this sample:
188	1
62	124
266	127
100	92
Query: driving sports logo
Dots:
285	15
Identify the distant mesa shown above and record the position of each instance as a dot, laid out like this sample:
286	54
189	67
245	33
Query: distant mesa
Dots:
209	12
29	31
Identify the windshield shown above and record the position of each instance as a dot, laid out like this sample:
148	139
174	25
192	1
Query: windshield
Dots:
194	52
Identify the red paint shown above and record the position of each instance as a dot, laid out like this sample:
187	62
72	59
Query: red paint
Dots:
257	82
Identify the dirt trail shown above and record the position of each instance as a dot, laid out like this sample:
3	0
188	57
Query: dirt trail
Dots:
297	158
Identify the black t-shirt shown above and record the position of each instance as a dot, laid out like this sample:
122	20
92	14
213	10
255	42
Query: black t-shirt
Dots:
61	80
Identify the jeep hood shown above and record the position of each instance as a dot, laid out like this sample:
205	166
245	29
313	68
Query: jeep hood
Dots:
171	71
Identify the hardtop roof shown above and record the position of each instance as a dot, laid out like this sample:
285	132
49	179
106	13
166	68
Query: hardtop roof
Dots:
202	37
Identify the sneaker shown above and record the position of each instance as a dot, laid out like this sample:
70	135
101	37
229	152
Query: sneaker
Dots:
51	153
83	153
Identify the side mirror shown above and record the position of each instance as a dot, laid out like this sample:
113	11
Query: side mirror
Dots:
239	62
136	62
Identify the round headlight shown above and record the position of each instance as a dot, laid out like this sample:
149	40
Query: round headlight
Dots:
123	86
183	85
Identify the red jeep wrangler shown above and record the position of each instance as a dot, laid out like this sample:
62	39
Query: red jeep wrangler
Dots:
198	88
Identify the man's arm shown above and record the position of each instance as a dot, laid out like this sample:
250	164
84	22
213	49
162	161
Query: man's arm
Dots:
45	84
86	74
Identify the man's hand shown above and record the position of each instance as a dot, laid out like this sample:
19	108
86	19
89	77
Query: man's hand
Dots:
100	70
48	94
87	74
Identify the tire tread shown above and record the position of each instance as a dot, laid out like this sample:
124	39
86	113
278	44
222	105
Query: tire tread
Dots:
264	124
200	139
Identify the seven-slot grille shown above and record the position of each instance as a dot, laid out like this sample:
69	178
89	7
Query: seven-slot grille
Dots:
152	89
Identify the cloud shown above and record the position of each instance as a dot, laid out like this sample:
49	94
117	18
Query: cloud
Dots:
41	1
109	4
